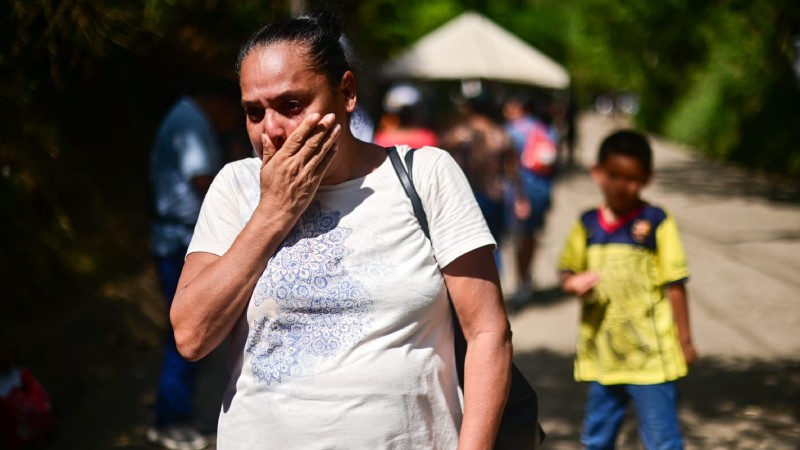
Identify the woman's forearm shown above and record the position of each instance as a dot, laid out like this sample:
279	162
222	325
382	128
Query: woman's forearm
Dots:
487	377
474	287
213	292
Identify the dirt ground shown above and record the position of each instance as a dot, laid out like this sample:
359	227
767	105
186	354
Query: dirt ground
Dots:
744	393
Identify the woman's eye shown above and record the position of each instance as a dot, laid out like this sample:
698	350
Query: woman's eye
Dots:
292	107
255	115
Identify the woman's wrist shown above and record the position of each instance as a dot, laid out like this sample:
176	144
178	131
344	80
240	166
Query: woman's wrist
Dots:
265	230
268	214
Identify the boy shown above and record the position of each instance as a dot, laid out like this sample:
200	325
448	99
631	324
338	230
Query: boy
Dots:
621	259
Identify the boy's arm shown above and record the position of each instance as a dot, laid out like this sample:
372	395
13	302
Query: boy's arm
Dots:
680	311
674	273
575	279
580	284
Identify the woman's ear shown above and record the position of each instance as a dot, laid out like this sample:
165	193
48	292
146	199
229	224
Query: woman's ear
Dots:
347	88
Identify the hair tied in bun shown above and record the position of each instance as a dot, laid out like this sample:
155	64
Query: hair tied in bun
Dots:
326	19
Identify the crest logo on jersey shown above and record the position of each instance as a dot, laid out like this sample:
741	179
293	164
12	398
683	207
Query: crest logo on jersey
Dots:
641	230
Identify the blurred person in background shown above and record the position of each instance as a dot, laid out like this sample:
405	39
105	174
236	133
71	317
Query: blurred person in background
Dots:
485	152
626	262
361	125
187	154
404	119
534	143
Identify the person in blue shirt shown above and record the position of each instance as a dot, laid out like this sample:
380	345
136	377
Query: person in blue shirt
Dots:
534	143
186	156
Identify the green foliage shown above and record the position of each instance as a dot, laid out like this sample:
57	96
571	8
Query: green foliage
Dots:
743	104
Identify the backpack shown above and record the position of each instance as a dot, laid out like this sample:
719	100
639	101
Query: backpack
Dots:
539	153
26	415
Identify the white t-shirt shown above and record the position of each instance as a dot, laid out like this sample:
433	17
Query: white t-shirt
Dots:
347	341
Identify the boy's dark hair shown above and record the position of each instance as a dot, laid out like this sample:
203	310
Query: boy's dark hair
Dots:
628	143
318	30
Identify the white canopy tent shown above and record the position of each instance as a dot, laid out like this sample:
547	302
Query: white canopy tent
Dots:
473	47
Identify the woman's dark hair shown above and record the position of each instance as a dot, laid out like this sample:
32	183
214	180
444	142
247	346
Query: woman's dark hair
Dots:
318	30
628	143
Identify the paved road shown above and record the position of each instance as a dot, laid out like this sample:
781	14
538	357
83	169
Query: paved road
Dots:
742	237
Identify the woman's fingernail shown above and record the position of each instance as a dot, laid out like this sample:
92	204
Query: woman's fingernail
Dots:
330	116
315	117
337	128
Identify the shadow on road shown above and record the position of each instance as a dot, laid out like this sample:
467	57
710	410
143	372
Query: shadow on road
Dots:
540	298
702	176
724	404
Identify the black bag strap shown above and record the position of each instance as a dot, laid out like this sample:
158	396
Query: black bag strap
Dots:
407	180
409	160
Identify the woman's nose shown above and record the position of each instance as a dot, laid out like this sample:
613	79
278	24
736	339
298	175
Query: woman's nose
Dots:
274	128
